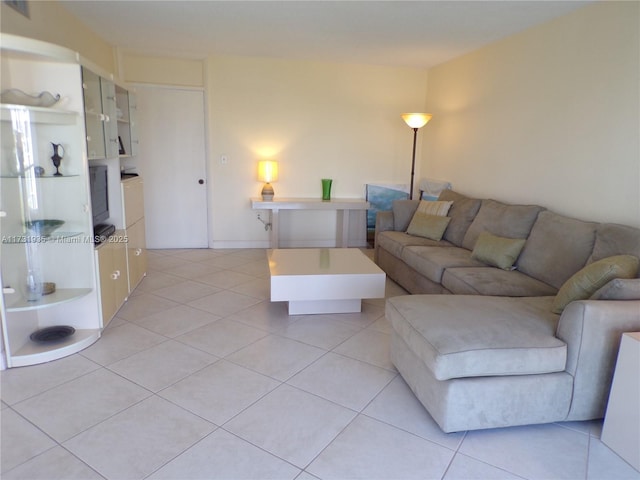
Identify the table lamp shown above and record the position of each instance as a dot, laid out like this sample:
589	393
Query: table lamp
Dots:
267	172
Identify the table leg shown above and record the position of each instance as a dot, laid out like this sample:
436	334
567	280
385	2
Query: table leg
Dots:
342	228
274	218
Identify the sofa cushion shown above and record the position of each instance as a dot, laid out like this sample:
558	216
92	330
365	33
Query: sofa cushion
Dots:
557	248
462	212
394	242
594	276
612	239
428	226
469	336
403	211
432	261
619	289
500	252
493	281
512	221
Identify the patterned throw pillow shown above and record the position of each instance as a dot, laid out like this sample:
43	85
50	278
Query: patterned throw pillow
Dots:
439	208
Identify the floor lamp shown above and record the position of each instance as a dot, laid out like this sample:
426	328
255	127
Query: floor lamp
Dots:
415	121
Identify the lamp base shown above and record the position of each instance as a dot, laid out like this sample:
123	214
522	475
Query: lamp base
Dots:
267	193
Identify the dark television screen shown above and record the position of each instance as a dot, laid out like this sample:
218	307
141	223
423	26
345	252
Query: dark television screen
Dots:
99	193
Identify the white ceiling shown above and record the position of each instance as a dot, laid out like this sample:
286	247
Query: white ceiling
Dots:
397	33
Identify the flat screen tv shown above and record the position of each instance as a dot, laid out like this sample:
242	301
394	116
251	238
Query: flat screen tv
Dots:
99	193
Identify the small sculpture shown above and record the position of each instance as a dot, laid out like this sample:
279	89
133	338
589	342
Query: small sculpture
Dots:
56	158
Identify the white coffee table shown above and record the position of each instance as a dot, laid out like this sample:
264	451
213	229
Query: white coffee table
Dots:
323	280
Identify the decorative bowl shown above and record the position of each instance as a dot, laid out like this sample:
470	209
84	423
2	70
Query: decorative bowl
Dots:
43	228
18	97
52	334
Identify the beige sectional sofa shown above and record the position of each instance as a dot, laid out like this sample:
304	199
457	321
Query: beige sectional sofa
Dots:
483	346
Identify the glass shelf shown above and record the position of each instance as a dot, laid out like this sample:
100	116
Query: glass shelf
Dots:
40	114
53	238
61	295
40	176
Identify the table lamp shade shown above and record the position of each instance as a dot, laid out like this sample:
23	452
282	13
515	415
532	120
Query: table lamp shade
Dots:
267	171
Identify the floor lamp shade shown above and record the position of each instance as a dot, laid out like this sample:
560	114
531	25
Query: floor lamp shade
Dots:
415	121
267	172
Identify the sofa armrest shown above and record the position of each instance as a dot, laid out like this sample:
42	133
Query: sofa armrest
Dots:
592	330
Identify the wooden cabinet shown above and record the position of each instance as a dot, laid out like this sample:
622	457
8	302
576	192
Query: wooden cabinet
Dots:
133	202
111	260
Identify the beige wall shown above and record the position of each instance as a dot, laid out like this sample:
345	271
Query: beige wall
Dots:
319	120
139	68
50	22
548	116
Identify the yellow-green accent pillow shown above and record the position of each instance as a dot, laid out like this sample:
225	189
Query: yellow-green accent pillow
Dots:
500	252
594	276
428	226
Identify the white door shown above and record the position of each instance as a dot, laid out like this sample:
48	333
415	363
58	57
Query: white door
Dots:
172	162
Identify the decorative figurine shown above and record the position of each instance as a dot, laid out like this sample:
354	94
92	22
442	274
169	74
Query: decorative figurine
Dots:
56	158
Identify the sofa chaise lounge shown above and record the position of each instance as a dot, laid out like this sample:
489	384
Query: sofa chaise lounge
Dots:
493	339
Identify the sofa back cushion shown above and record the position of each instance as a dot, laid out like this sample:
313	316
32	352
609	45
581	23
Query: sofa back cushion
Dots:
501	219
403	211
462	212
557	248
612	239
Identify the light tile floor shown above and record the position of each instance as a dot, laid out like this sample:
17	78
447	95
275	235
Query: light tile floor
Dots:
200	377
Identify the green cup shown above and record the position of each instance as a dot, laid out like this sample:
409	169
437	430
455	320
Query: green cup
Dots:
326	188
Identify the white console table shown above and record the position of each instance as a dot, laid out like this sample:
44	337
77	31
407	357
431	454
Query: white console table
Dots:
341	205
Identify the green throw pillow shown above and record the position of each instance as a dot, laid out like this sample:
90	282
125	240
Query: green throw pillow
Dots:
594	276
500	252
428	226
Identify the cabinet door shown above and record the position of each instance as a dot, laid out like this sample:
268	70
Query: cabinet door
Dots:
133	126
107	282
136	253
110	123
94	118
133	200
120	268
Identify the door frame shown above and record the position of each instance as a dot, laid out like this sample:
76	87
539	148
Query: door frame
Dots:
207	147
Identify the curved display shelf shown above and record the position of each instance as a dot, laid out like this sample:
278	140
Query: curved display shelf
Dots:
32	352
61	295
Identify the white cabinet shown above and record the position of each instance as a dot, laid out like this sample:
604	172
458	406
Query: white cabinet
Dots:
111	261
99	95
126	113
621	429
133	201
47	273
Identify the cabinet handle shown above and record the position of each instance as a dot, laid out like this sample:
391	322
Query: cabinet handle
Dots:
114	276
3	214
114	140
106	118
88	138
138	251
8	290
